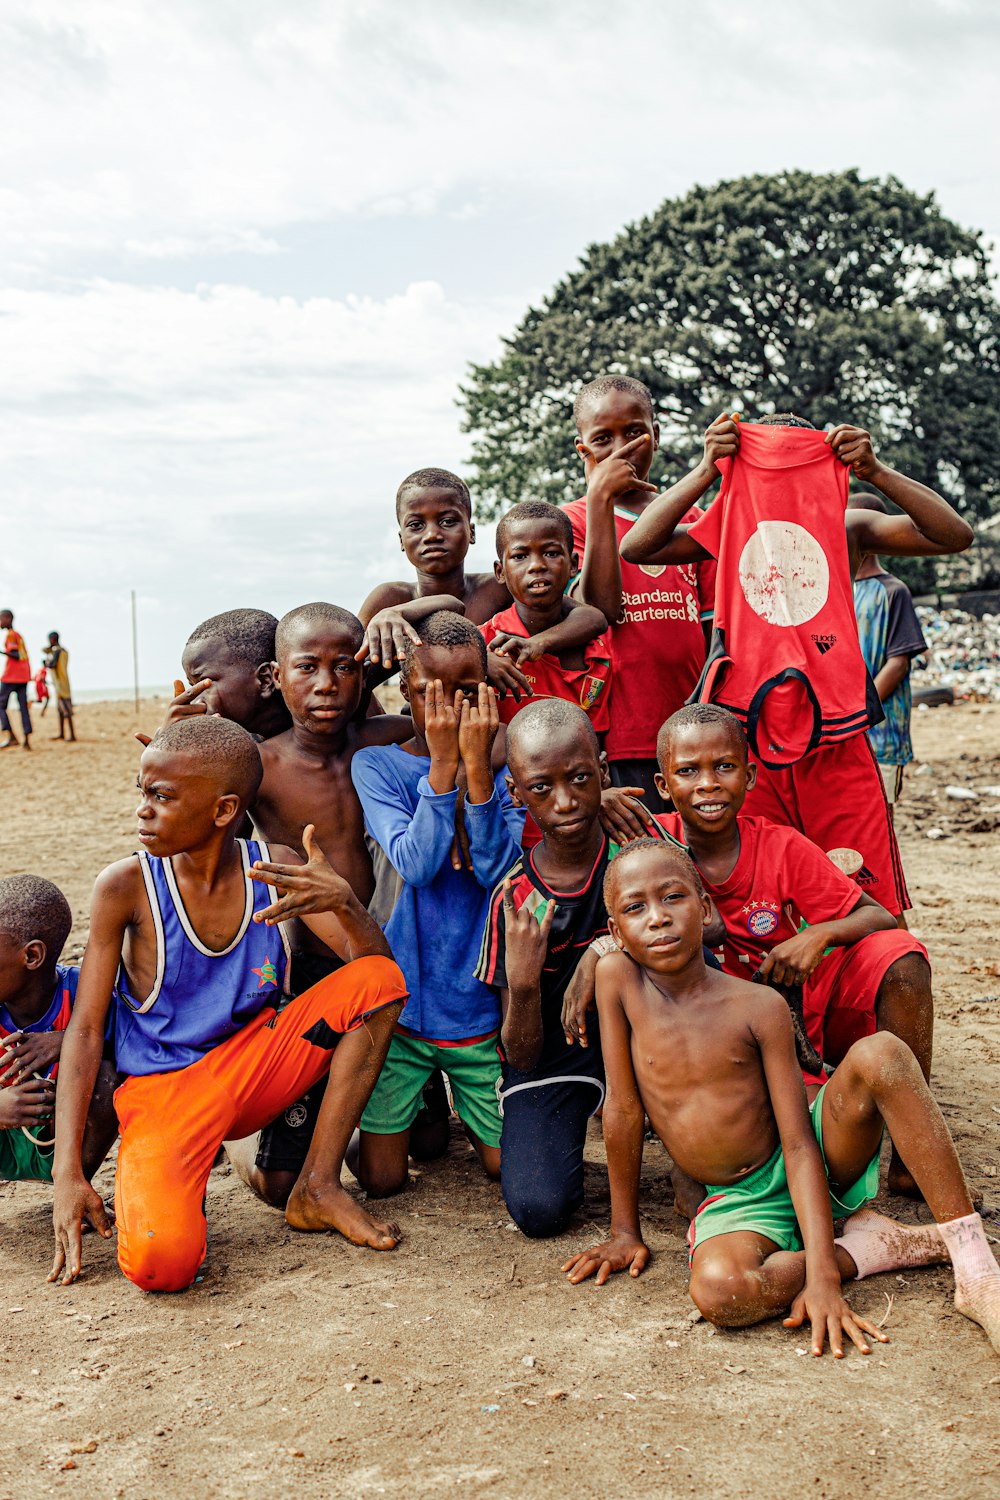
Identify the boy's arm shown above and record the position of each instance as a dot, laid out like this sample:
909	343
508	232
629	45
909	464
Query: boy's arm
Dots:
526	944
492	849
389	628
623	1121
600	581
930	526
580	624
312	890
892	674
417	839
658	536
821	1299
792	961
112	909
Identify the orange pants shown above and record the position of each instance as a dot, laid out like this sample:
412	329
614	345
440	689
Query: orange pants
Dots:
172	1124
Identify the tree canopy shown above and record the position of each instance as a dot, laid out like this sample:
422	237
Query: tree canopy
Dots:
837	297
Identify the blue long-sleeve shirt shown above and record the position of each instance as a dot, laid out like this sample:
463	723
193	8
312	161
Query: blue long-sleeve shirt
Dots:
437	920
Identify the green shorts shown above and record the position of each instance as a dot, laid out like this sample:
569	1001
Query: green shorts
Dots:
473	1070
21	1160
761	1203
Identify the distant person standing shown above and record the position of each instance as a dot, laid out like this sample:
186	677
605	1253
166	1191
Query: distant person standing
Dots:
57	661
14	680
890	636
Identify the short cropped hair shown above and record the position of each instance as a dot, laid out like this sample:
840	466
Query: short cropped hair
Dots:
638	846
784	419
444	628
545	718
867	500
318	614
533	510
247	634
35	910
595	389
225	751
434	479
700	713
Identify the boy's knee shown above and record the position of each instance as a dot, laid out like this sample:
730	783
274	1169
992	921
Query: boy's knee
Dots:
383	1181
161	1263
540	1215
883	1059
726	1296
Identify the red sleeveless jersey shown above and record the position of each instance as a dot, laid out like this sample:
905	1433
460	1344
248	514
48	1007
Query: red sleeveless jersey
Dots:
785	656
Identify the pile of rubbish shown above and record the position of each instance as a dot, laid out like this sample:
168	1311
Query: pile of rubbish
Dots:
964	655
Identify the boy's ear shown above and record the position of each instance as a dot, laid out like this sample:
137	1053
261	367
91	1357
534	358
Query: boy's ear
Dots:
661	786
265	680
401	547
605	772
512	789
275	673
656	436
34	954
498	572
613	929
404	687
574	563
751	774
472	533
227	810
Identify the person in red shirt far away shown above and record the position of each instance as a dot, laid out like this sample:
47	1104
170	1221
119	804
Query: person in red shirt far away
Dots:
785	655
658	613
14	680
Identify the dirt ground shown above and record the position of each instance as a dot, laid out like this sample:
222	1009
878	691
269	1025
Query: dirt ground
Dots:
462	1362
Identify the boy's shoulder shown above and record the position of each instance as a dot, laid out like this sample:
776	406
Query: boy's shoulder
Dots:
387	596
485	597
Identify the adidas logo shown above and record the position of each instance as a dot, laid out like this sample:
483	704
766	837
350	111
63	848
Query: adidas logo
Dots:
823	643
865	876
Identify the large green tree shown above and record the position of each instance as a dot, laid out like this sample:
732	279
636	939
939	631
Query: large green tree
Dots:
840	298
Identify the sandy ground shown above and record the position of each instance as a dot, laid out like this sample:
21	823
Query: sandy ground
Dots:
462	1362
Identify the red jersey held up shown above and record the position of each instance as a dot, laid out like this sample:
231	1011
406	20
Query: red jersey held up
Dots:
657	644
586	686
779	881
785	658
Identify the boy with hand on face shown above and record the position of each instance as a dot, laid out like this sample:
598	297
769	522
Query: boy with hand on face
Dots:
37	994
409	793
659	615
711	1060
792	918
184	947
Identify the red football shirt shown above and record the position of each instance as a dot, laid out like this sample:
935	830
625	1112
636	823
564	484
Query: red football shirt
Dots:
15	668
586	686
657	645
785	656
779	881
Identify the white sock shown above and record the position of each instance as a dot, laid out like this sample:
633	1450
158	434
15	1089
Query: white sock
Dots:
977	1275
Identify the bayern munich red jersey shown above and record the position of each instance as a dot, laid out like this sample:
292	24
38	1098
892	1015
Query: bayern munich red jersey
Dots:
785	656
658	644
587	686
779	881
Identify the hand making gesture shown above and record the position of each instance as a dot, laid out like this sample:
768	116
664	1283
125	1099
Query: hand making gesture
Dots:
527	942
302	889
184	705
610	478
478	726
386	635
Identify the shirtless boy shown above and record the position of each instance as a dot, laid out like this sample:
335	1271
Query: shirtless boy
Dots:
711	1060
183	945
792	918
36	1000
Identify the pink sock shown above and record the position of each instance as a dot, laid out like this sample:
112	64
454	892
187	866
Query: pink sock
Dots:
969	1249
876	1243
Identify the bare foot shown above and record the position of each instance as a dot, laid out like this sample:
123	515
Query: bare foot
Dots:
688	1194
318	1206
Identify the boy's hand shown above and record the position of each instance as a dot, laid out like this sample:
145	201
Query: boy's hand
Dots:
72	1202
614	476
518	648
824	1305
853	446
791	962
441	725
184	705
478	724
527	941
502	673
624	816
386	636
303	889
27	1102
623	1252
28	1052
580	996
722	440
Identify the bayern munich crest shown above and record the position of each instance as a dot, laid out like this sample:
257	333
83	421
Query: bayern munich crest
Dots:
762	917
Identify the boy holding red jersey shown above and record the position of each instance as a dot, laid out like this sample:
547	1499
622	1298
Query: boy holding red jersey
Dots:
792	918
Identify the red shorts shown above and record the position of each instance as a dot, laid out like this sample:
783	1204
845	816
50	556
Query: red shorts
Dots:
172	1124
838	999
836	797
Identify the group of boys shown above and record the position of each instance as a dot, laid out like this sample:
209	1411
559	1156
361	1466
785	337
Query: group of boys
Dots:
335	909
16	675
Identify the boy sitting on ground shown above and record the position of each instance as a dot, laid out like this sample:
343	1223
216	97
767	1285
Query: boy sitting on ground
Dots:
792	918
37	993
182	944
711	1060
409	794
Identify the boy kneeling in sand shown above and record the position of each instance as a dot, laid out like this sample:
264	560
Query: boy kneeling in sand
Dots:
711	1059
183	944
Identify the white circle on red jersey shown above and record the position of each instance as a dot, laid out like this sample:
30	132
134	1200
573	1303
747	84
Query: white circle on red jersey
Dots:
652	570
762	923
848	860
784	574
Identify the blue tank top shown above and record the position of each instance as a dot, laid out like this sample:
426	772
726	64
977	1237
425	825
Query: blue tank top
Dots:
199	997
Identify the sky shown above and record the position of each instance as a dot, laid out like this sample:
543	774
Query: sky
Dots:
248	249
